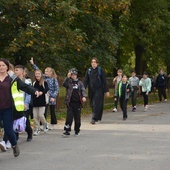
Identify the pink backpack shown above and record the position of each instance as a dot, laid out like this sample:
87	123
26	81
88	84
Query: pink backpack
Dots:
19	125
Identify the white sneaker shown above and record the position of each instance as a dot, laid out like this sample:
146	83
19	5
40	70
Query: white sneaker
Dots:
37	132
146	108
42	127
114	110
165	100
3	146
45	128
8	144
51	127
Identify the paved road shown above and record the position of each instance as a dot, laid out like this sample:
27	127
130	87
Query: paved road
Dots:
142	142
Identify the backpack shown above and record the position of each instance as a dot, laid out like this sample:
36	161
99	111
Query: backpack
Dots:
19	125
99	72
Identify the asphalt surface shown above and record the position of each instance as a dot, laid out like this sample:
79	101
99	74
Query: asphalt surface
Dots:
142	142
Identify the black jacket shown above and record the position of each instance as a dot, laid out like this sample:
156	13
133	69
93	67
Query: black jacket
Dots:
68	84
95	81
161	81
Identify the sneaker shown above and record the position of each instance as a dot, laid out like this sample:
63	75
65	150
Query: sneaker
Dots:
92	122
8	144
29	138
66	134
165	100
77	134
45	128
51	127
16	150
3	146
146	108
134	109
114	110
37	132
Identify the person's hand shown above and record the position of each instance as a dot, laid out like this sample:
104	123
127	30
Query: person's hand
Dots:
115	99
37	93
84	99
69	74
127	90
32	61
146	93
52	100
107	94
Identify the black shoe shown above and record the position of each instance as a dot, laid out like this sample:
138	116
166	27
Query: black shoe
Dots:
124	118
134	109
66	133
16	150
92	122
29	139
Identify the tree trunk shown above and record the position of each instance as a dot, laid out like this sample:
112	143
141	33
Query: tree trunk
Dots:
140	63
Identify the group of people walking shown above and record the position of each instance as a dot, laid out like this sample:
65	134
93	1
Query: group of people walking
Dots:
18	94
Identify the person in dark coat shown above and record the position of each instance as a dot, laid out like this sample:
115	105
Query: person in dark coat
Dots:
75	97
95	80
160	84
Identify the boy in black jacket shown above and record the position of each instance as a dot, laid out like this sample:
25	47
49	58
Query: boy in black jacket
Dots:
75	96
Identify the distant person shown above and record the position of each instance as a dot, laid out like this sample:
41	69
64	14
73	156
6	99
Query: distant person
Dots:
116	80
160	84
95	80
75	97
123	92
134	82
145	83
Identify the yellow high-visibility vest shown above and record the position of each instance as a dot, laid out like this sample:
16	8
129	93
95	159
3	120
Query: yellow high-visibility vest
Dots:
18	97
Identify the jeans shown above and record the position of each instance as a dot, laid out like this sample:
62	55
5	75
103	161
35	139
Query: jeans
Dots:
6	118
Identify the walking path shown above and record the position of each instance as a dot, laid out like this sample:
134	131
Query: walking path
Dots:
142	142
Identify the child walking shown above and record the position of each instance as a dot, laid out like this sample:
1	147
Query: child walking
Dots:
75	96
39	104
116	81
145	82
123	93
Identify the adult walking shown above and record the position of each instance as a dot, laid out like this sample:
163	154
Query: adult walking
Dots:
9	99
95	80
160	84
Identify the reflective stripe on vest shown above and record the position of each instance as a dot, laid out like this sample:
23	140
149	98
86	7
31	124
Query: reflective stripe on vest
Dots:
18	97
120	88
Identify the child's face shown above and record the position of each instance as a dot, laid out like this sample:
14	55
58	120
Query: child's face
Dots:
38	75
124	79
145	76
119	73
19	72
74	76
133	74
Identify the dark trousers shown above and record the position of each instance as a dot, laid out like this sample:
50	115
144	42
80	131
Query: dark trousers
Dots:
52	114
123	106
162	92
73	112
7	120
96	103
134	94
115	102
145	98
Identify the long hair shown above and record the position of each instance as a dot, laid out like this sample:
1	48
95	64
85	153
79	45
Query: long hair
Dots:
41	79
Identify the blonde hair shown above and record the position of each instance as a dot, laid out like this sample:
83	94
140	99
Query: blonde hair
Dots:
120	71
